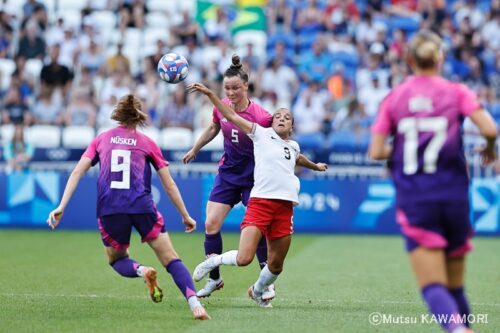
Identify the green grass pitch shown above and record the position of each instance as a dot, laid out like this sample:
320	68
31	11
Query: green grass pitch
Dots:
60	282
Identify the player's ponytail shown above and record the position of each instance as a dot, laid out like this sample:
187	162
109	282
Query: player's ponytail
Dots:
128	112
236	69
425	49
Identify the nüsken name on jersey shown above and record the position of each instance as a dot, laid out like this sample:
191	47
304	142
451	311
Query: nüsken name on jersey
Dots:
123	141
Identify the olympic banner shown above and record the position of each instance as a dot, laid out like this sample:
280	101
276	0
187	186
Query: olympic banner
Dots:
326	205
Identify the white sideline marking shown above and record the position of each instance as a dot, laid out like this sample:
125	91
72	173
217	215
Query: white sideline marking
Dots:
232	299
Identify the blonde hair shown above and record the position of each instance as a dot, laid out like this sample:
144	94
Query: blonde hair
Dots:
128	112
425	49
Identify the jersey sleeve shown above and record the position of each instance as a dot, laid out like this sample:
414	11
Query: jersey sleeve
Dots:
91	151
383	121
215	115
264	118
468	100
257	132
156	156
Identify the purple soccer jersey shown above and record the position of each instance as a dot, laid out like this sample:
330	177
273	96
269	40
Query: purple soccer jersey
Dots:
124	183
237	164
425	116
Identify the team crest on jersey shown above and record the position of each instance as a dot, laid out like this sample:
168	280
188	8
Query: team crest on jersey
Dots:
224	120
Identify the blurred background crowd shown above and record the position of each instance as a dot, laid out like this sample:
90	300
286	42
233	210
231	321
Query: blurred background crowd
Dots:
64	63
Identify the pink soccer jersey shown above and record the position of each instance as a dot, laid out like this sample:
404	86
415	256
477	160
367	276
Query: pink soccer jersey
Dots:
425	115
124	183
237	163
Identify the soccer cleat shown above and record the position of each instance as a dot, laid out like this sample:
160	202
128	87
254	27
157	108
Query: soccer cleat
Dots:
211	286
204	268
269	293
200	313
258	299
154	289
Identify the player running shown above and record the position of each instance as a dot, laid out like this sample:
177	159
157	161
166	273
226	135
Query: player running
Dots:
274	193
235	176
424	116
124	200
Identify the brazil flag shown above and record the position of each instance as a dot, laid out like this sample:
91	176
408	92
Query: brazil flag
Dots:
244	15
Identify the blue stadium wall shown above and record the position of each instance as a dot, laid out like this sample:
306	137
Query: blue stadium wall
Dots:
327	206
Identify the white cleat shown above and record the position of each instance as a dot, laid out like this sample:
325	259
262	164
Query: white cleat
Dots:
269	293
258	299
210	287
204	268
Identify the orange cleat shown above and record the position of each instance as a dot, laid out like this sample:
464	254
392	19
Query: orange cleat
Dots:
154	289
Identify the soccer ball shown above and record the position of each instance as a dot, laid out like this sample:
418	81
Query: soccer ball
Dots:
173	68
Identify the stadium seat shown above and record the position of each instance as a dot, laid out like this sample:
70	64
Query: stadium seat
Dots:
159	5
7	67
310	141
34	67
176	138
76	5
105	20
73	17
43	136
152	132
153	34
158	20
216	144
6	133
77	136
255	37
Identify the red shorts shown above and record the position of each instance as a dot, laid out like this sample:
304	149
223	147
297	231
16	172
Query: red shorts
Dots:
273	217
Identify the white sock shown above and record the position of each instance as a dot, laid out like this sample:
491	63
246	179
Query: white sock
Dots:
265	279
193	302
228	258
140	271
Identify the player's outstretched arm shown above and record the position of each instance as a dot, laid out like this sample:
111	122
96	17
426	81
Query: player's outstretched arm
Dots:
378	149
489	131
208	135
307	163
81	168
175	196
245	125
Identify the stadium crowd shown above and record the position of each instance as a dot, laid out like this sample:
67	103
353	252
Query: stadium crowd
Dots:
67	62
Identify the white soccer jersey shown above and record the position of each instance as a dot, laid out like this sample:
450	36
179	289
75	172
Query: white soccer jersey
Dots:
275	160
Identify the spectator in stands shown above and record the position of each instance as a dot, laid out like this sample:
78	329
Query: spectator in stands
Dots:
54	75
80	111
218	28
69	48
339	13
178	113
491	30
30	6
38	18
309	110
350	118
432	12
398	44
48	107
131	14
374	64
149	94
371	95
15	111
278	72
310	19
117	61
17	153
314	65
281	52
468	9
6	33
31	44
251	59
279	16
23	80
186	29
404	8
93	58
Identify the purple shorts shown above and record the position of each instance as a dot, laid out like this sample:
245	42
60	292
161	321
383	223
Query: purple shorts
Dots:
229	194
437	225
116	229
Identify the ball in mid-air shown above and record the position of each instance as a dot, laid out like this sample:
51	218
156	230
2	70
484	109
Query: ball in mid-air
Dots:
173	68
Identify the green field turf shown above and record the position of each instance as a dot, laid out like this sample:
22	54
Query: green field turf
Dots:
60	282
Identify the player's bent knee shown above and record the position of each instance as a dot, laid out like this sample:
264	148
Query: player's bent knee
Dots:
243	259
275	268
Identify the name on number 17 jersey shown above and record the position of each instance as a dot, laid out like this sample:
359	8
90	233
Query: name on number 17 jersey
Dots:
124	183
425	115
237	164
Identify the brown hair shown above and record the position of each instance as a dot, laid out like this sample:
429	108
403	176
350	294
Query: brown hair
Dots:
236	69
128	112
425	49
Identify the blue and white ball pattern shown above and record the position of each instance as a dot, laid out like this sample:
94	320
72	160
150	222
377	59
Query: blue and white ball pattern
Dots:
173	68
